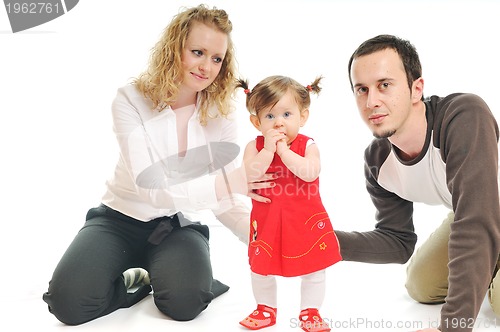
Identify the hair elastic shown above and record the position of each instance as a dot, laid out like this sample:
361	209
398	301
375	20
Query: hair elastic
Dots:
309	87
246	91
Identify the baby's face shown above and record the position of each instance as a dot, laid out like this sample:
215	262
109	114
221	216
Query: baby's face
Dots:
285	117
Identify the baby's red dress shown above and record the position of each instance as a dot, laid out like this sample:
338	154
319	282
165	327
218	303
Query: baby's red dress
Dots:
292	235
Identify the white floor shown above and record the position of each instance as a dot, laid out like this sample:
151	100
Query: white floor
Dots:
360	297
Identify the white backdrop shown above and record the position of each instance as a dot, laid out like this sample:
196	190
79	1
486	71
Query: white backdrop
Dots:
58	81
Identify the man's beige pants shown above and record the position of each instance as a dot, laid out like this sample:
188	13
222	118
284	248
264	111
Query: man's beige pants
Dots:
427	272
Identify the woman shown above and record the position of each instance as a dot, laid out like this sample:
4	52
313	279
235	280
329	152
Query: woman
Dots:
175	134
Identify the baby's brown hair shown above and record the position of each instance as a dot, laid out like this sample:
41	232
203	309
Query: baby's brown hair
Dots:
271	89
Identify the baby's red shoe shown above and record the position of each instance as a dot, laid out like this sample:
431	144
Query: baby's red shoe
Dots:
261	317
311	321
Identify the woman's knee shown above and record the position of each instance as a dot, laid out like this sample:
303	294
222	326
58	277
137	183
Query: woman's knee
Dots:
65	304
183	304
181	274
74	304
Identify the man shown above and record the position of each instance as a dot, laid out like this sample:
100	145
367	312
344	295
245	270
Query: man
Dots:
439	150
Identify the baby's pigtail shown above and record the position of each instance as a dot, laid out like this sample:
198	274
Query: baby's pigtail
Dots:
315	86
241	83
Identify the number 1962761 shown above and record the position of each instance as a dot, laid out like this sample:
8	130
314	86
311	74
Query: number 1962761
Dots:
33	7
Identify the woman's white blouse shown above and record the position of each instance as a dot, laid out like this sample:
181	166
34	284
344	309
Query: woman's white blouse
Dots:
150	181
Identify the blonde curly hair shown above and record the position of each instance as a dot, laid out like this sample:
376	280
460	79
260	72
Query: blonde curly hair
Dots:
160	82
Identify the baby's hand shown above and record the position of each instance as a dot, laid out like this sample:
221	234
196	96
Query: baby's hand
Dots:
271	138
281	146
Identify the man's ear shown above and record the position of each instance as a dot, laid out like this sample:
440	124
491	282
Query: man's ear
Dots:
417	89
255	121
304	115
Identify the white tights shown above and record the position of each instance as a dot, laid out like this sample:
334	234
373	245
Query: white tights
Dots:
312	290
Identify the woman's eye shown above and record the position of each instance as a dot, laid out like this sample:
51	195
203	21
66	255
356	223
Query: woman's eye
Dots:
217	60
197	52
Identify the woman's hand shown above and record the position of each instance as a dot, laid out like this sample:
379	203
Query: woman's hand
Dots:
237	182
267	181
